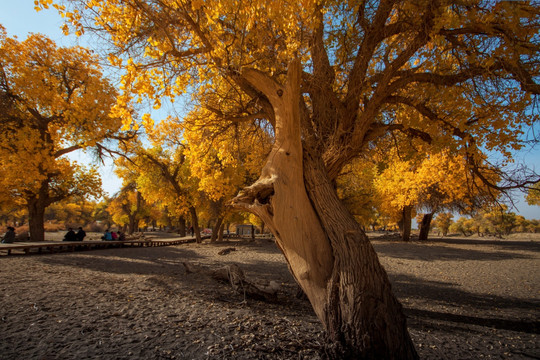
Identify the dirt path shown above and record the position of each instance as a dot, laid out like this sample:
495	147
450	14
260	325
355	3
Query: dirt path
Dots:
465	298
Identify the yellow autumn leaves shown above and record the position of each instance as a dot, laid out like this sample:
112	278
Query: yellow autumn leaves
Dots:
54	101
433	183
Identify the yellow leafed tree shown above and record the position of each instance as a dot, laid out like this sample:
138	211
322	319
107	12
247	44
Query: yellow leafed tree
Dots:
330	78
53	101
224	156
163	176
434	182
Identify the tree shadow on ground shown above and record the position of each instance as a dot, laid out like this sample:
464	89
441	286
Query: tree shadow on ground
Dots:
504	244
443	321
429	252
139	261
425	299
163	265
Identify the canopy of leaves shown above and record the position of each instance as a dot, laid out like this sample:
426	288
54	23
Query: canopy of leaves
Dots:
456	75
435	182
53	101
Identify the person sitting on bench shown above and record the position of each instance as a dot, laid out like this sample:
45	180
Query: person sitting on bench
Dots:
107	236
70	235
80	234
9	236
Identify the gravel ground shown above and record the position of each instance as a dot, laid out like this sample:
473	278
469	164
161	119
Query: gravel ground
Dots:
466	298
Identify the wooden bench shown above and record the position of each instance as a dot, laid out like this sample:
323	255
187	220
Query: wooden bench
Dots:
58	246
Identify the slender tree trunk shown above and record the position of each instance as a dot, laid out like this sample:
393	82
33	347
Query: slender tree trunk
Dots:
182	226
425	226
327	251
405	223
195	224
136	215
36	212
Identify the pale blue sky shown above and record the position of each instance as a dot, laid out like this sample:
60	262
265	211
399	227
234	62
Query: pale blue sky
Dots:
19	18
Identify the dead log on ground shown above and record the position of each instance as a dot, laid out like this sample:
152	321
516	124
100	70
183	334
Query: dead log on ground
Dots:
234	275
226	251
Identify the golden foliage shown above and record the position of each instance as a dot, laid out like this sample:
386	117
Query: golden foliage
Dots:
457	77
53	101
434	182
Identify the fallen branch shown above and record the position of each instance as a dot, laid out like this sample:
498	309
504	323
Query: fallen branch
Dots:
234	275
226	251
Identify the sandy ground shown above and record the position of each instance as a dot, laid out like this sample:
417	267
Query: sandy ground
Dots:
466	298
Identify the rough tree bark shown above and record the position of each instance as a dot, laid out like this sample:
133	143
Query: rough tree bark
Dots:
36	214
425	226
37	203
327	251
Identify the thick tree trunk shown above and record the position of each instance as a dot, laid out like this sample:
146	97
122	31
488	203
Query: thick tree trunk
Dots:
182	226
406	223
215	229
363	318
133	223
36	212
327	251
195	224
220	232
425	226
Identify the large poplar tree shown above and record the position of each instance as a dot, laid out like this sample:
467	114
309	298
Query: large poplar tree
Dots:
330	77
53	101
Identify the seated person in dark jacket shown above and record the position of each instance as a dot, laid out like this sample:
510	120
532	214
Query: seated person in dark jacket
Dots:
9	236
70	235
80	234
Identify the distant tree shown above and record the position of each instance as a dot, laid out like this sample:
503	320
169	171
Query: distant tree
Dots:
13	214
355	187
443	221
502	220
462	226
128	208
53	101
433	182
101	212
71	212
